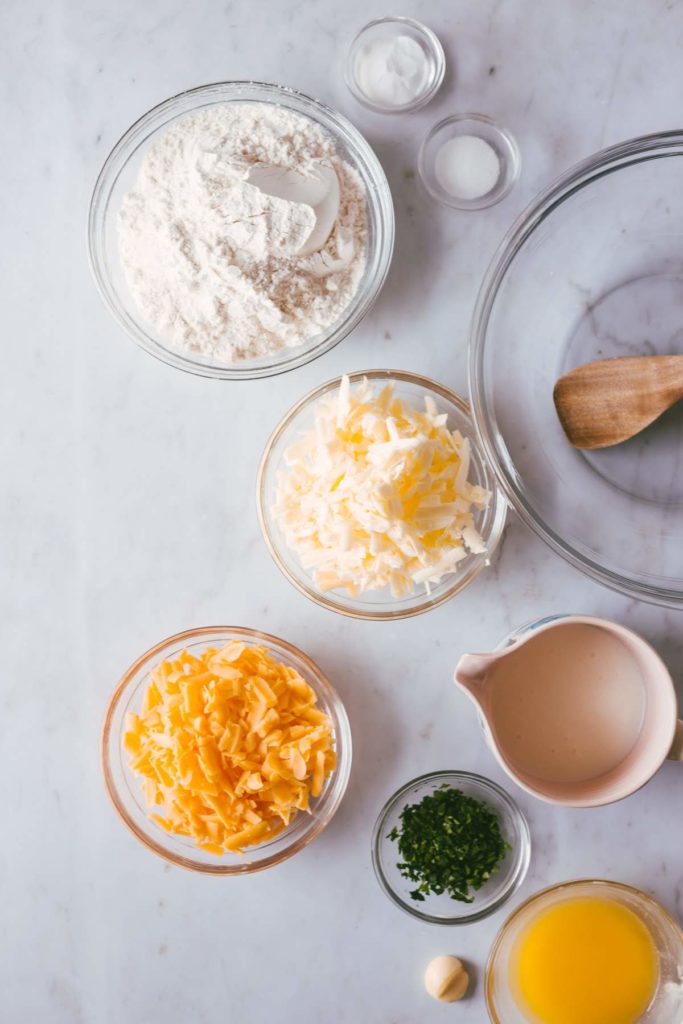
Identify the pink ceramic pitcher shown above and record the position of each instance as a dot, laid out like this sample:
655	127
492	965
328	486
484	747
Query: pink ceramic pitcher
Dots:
660	736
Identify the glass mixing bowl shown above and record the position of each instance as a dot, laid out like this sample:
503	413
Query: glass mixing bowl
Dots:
667	1003
499	887
593	269
119	174
379	604
124	787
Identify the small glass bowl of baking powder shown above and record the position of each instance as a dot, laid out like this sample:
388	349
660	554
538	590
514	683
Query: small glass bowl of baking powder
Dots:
395	65
118	177
468	162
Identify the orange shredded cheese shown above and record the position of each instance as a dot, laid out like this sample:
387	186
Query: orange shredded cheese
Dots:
230	746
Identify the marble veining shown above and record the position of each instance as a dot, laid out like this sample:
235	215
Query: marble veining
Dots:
127	513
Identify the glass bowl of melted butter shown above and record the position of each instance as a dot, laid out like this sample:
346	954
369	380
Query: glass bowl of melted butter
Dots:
587	952
373	497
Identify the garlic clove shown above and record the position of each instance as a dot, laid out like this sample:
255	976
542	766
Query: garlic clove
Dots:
446	979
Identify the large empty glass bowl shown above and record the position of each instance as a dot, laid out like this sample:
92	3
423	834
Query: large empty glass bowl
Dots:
593	269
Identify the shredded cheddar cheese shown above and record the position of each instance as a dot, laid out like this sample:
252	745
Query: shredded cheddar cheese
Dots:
377	493
230	746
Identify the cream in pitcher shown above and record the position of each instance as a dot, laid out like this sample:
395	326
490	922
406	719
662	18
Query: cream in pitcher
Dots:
579	711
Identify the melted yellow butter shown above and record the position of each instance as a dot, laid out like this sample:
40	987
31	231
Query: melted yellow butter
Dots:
587	960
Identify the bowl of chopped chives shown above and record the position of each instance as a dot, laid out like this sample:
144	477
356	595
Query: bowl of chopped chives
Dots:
450	847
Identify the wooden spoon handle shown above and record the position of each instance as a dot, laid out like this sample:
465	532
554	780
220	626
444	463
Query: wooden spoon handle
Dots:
664	372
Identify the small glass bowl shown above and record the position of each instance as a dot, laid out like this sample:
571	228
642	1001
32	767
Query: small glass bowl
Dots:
124	788
667	1004
484	128
378	604
118	176
384	28
442	909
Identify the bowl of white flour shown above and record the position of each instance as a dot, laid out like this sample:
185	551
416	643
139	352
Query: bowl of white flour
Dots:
205	242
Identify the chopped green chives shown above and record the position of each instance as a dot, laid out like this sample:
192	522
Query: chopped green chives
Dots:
449	842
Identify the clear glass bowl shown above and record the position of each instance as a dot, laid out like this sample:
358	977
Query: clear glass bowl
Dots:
594	268
387	28
378	604
124	786
442	909
118	176
667	1004
483	128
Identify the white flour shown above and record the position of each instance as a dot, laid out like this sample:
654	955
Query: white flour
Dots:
211	261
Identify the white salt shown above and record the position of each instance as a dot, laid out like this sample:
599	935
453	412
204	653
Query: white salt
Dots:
467	167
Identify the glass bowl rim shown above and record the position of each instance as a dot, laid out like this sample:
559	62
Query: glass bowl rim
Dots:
496	195
488	786
640	149
343	747
633	890
378	197
459	583
436	49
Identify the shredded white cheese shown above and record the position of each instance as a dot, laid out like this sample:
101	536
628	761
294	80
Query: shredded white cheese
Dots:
377	494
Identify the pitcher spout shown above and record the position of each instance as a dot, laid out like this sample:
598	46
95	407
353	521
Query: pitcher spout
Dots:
471	674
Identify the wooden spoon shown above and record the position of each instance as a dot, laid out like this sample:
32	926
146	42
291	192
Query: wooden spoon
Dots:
606	402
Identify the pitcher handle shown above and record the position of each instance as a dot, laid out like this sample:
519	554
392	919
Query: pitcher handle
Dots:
676	752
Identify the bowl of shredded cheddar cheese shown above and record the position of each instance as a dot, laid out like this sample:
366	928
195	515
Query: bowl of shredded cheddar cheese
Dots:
373	497
225	750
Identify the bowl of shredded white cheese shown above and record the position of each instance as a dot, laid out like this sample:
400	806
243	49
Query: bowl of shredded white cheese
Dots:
374	499
240	229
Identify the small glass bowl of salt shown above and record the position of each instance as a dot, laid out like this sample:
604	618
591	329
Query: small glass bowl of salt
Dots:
468	162
395	65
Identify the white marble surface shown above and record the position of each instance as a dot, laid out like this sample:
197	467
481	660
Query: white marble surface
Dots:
127	513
